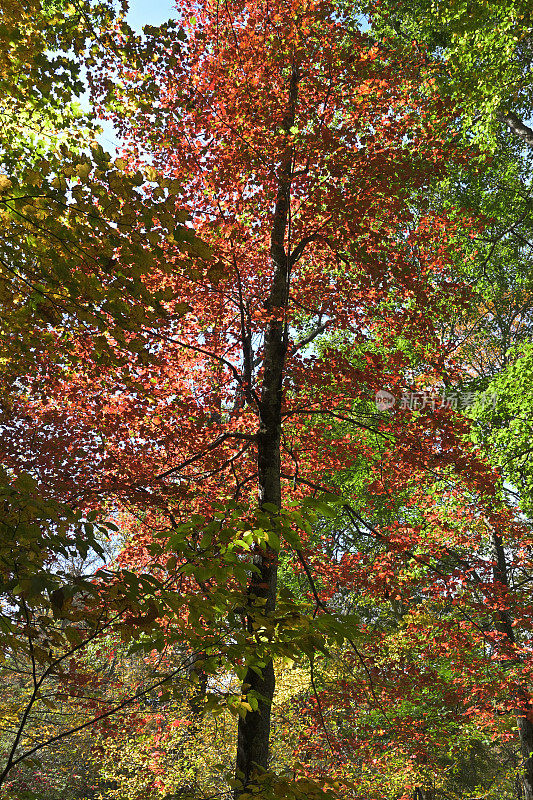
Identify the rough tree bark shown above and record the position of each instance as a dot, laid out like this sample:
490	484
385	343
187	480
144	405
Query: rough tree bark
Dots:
254	728
423	794
517	126
505	626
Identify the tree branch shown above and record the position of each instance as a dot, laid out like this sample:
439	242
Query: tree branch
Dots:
517	126
312	335
222	438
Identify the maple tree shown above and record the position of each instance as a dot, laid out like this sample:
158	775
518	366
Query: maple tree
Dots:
67	210
296	147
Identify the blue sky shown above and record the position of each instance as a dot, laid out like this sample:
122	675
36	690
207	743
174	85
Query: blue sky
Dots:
150	12
142	12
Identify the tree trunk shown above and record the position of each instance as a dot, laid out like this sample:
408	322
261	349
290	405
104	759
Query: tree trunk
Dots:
254	728
525	729
423	794
505	626
517	126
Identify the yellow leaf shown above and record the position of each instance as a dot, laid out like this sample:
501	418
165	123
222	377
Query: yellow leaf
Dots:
5	184
83	170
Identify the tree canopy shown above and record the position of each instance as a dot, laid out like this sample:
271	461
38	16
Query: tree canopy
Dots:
265	377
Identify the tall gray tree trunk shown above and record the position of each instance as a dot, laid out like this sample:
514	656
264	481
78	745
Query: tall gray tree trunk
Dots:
423	794
505	625
254	728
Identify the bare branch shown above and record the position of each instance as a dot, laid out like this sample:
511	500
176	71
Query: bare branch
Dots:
312	335
248	437
517	126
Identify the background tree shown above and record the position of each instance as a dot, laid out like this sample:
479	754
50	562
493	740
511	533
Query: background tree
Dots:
67	212
479	57
299	175
297	151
